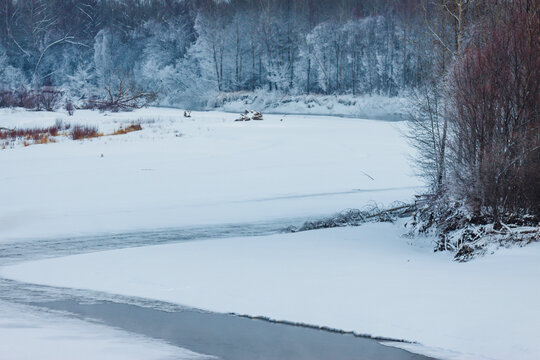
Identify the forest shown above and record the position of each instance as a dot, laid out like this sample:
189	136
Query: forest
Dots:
471	68
187	51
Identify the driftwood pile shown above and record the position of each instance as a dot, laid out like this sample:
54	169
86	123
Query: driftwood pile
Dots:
249	115
357	217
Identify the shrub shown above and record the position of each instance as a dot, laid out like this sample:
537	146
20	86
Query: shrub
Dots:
495	87
70	108
48	98
80	132
29	100
44	139
35	134
9	99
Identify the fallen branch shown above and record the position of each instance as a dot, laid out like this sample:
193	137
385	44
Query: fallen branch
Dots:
356	217
123	99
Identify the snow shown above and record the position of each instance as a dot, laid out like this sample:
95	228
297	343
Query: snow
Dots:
28	334
363	106
206	169
368	279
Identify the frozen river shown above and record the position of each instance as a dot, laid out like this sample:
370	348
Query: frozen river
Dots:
224	336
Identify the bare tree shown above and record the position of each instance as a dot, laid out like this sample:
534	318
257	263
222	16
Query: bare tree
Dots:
428	132
495	117
429	120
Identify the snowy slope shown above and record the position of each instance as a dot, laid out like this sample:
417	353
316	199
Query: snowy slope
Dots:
367	279
201	170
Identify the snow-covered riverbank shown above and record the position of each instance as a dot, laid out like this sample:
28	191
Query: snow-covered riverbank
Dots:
363	106
189	171
208	169
369	280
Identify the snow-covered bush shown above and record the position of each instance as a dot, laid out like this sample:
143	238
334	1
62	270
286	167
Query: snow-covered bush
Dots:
456	229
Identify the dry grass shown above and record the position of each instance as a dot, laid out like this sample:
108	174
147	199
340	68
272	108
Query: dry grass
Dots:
130	128
35	134
45	139
30	136
47	135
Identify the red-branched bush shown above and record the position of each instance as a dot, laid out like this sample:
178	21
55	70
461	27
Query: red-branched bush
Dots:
495	131
33	133
79	132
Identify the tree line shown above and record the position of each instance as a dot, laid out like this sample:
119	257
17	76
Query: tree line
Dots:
190	50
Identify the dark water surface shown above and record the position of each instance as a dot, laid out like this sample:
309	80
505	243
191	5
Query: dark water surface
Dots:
233	337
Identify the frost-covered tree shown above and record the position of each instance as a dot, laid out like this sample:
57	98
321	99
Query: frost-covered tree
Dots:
81	84
10	77
294	47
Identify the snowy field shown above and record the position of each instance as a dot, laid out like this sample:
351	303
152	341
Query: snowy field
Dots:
369	280
189	171
209	169
28	334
